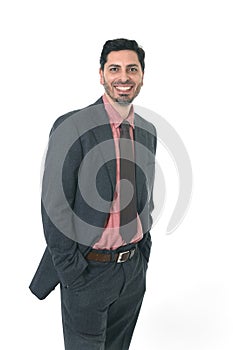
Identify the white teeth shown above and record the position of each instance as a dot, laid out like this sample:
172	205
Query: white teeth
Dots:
123	88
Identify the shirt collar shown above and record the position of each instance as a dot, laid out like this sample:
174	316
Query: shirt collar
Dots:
114	117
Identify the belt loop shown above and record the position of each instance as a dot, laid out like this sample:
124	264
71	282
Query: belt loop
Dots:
112	255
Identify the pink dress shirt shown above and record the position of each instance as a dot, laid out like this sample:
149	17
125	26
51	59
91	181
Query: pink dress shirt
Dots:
111	238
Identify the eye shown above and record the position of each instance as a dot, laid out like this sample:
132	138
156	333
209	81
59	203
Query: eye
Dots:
133	69
113	69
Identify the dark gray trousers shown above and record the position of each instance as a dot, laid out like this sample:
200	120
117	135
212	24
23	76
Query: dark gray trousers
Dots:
100	309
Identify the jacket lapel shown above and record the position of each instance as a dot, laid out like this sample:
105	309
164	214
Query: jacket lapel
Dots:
102	132
141	158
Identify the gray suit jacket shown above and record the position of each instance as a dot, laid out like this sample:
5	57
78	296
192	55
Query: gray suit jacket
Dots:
64	258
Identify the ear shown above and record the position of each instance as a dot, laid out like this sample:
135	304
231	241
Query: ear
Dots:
101	73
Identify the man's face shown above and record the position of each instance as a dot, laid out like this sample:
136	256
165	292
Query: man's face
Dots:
122	76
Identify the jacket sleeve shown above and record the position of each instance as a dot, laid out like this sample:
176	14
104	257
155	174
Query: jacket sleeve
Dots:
66	256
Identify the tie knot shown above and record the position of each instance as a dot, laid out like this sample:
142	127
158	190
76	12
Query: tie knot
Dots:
125	124
124	128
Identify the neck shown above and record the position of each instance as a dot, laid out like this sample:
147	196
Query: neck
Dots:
123	110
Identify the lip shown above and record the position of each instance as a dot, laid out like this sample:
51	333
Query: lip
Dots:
123	88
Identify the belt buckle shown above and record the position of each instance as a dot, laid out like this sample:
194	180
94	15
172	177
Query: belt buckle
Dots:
121	259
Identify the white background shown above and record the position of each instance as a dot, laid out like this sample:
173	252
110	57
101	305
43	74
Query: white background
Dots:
49	65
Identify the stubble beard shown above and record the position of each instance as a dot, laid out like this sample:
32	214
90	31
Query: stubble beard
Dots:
123	100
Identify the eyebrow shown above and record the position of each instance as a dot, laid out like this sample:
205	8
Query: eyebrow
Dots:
128	65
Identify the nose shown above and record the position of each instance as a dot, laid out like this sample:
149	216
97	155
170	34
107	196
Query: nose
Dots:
124	76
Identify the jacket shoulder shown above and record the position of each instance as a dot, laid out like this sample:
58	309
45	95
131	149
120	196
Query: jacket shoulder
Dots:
63	117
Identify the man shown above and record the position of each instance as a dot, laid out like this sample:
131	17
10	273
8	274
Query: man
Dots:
97	199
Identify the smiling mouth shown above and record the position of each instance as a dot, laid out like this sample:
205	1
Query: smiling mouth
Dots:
123	88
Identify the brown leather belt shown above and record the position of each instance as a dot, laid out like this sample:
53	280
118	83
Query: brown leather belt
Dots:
108	257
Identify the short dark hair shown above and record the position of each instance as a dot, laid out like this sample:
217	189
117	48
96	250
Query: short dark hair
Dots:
122	44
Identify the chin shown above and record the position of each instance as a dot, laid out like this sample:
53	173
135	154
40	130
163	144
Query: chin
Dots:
124	102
